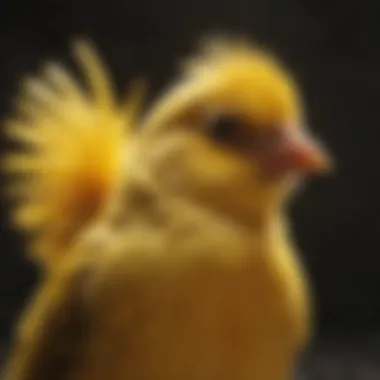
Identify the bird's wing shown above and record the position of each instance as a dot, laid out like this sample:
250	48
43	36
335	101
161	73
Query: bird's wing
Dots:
74	141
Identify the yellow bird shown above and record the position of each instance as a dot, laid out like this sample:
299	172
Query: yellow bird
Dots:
166	249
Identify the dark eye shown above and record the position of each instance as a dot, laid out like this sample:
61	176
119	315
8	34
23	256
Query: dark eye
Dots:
225	129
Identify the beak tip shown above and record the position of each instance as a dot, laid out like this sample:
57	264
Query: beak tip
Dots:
325	163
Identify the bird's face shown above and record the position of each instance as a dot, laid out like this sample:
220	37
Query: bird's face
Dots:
233	136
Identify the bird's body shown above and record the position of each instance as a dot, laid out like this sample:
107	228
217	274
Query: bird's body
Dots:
186	271
173	314
183	301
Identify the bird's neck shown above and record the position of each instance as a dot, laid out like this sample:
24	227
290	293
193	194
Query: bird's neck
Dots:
138	202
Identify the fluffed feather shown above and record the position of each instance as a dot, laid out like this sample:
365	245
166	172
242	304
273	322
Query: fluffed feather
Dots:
73	143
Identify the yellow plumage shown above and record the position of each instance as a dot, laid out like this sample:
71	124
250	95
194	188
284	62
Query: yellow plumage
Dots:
73	145
176	258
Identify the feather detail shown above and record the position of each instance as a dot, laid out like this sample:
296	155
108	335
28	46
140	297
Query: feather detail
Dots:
74	142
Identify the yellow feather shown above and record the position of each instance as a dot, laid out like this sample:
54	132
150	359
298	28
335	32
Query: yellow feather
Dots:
96	74
60	78
77	138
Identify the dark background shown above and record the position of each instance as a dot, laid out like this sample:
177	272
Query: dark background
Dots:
332	47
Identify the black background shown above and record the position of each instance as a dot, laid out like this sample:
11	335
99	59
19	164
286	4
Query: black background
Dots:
332	47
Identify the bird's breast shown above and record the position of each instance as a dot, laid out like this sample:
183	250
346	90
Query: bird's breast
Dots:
212	314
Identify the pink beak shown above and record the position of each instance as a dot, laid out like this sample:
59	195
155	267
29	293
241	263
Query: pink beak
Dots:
294	152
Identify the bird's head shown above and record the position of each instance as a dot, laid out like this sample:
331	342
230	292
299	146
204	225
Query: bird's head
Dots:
231	132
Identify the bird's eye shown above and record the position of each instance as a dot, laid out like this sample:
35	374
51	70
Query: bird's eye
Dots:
225	129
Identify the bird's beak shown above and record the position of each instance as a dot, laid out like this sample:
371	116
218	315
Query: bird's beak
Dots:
293	152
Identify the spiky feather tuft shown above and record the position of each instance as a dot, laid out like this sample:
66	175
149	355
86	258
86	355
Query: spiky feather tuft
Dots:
73	144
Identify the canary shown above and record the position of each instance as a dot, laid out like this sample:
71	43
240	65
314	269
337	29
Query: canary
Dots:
163	234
